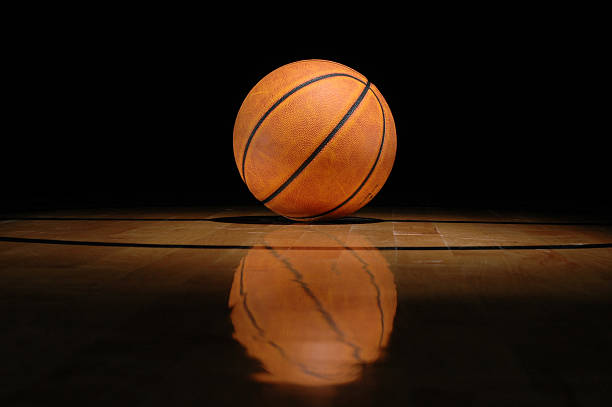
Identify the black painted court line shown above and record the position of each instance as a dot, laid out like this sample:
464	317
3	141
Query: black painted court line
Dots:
113	219
500	222
264	247
280	220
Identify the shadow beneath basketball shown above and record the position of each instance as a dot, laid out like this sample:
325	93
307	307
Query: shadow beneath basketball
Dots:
279	220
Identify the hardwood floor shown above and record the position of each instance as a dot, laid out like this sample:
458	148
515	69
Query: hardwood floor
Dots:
234	306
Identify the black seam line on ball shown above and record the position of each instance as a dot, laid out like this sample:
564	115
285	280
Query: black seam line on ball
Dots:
321	146
278	102
382	143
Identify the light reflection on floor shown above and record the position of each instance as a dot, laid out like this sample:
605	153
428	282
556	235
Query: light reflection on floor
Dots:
312	317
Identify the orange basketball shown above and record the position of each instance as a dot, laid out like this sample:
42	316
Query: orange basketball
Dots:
314	140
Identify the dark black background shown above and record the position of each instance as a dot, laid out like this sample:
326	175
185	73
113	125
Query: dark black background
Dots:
130	112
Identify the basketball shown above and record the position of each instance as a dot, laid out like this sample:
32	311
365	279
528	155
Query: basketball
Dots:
314	140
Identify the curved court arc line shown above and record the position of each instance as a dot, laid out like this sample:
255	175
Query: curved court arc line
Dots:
9	239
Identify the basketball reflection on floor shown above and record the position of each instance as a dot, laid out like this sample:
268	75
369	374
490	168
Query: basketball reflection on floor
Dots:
313	316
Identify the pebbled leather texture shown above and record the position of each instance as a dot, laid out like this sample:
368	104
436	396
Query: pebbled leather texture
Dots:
282	131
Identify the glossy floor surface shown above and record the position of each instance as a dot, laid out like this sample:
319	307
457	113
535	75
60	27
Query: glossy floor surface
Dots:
236	306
